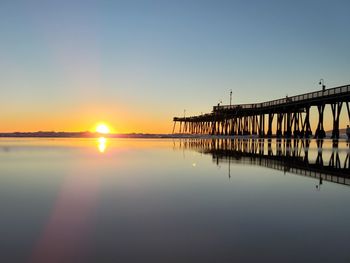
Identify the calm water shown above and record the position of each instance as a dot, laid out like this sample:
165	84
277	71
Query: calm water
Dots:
128	200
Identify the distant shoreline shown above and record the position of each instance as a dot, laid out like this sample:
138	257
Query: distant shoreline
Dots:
42	134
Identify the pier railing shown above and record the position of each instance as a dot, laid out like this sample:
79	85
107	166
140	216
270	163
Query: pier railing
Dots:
298	98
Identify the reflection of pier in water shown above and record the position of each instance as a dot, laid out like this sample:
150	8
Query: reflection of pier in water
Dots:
285	155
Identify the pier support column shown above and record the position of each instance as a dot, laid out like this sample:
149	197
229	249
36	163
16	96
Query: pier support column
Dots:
212	128
234	126
238	128
269	131
249	125
296	121
228	127
306	131
254	124
279	125
242	125
288	125
245	125
320	133
336	109
262	125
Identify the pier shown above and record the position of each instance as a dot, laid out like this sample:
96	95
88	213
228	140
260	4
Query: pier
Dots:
291	115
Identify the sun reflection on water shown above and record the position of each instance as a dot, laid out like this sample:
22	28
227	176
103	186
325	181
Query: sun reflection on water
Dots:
102	144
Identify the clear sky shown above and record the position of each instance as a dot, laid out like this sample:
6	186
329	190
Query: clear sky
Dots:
66	65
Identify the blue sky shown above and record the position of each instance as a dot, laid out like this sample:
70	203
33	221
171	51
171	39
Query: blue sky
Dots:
136	64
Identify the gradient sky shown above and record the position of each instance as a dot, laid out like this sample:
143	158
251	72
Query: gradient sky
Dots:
67	65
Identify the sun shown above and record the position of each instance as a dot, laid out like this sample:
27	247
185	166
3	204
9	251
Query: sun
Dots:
102	128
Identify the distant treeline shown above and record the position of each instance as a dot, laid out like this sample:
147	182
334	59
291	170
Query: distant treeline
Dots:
86	134
341	131
48	134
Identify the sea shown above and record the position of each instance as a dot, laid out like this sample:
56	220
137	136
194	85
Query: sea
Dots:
174	200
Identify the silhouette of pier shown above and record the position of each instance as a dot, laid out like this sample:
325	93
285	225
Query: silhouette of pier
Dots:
291	114
284	155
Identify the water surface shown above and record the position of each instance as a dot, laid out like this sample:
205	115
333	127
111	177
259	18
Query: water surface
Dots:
145	200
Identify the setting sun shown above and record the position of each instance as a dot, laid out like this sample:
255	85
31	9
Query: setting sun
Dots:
102	128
